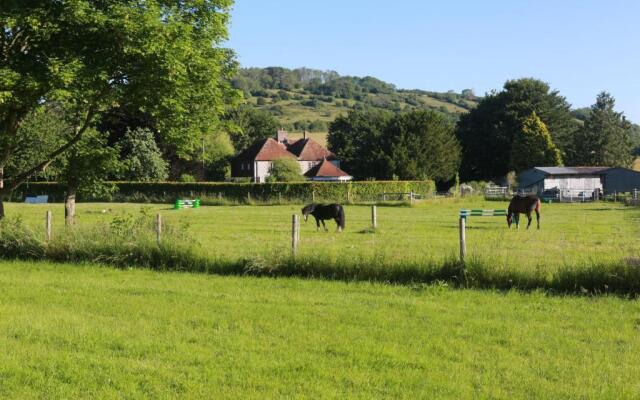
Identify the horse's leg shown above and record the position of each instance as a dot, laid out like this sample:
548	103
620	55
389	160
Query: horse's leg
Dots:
324	226
338	229
517	218
529	218
317	224
538	218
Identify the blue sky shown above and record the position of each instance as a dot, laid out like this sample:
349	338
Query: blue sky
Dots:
578	47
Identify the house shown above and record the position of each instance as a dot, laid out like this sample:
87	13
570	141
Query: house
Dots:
255	161
327	171
578	181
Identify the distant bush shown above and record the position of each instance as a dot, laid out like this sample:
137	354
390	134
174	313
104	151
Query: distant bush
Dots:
186	178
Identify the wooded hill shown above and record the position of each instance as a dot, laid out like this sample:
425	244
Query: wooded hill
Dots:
309	99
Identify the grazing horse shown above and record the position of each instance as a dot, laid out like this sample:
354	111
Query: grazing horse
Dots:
525	205
321	212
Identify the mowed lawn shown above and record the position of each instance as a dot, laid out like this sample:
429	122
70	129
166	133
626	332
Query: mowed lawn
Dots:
95	332
571	234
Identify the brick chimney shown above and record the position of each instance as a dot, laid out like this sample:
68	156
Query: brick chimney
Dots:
282	136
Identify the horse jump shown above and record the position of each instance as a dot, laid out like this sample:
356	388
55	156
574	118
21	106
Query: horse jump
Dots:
321	212
523	205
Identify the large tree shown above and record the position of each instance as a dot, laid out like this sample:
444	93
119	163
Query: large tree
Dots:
355	139
249	125
605	139
85	168
141	158
163	56
420	145
486	133
532	146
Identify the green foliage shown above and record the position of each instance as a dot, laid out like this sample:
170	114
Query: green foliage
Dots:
411	146
163	57
605	139
355	139
252	125
486	133
42	131
167	192
87	165
420	145
532	146
142	160
304	96
285	170
186	178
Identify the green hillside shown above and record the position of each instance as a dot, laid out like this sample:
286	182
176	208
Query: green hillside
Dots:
306	99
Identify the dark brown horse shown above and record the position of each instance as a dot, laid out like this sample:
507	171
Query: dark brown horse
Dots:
321	212
525	205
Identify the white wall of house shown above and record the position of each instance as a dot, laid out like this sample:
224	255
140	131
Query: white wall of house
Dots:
307	165
261	171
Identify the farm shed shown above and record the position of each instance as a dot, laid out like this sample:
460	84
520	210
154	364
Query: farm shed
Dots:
620	180
578	181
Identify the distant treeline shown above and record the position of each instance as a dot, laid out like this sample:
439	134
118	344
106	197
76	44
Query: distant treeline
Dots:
330	84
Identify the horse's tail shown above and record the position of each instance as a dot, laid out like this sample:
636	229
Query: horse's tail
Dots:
341	216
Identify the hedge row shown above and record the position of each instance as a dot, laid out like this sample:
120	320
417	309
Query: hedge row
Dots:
238	192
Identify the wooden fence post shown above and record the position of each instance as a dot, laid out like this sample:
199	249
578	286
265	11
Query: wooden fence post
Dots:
463	242
158	228
47	227
295	233
374	217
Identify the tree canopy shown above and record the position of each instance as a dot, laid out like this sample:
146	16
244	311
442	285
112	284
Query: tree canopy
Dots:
163	57
486	133
605	139
142	159
420	145
381	145
532	146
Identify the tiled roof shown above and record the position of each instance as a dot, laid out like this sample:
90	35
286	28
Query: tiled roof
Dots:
325	169
265	150
310	150
572	170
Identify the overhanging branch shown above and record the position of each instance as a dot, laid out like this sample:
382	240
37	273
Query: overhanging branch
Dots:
19	179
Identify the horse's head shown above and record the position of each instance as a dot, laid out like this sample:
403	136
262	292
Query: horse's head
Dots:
509	219
306	210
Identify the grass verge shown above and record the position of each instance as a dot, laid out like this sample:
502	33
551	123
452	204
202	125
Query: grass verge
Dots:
128	242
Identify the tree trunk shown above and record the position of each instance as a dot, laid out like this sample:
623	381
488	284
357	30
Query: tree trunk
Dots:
70	205
1	197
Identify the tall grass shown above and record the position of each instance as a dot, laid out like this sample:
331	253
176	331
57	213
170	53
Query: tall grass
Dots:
129	241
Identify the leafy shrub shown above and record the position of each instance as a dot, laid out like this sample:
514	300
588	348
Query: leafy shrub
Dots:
285	170
187	178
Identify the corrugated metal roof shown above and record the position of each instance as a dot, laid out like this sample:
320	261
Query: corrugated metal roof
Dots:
572	170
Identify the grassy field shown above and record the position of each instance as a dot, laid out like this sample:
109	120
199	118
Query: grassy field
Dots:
96	332
571	234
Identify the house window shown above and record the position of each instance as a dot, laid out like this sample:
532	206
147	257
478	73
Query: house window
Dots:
242	166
